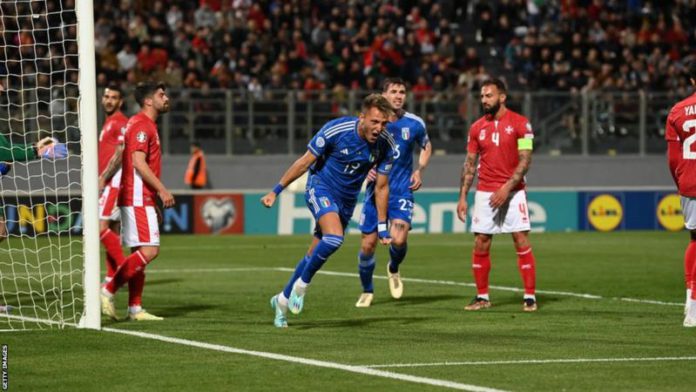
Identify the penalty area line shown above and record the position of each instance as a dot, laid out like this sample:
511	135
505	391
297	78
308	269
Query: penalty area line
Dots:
308	362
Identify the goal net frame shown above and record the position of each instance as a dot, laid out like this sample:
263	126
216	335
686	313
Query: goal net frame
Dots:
85	311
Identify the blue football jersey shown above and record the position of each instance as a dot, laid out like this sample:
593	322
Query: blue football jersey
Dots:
408	130
344	158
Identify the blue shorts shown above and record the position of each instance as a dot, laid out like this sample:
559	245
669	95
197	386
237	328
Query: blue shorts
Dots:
320	202
399	208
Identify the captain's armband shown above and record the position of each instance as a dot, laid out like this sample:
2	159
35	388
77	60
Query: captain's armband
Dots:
524	144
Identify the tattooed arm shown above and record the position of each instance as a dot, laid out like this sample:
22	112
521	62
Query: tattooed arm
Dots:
467	178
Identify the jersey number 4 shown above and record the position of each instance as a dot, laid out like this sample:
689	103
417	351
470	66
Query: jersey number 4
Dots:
689	126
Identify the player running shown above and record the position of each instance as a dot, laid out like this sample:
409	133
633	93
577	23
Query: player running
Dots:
339	158
503	141
111	145
680	133
407	130
140	186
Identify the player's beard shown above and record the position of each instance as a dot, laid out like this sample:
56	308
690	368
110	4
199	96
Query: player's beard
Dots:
109	110
164	108
491	110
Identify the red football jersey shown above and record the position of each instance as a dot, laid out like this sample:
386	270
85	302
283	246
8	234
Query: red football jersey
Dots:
495	141
141	135
110	137
681	127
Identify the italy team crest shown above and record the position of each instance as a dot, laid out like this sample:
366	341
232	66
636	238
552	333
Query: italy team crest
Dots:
324	202
405	133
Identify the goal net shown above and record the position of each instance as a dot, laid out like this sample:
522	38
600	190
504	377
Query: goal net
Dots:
48	203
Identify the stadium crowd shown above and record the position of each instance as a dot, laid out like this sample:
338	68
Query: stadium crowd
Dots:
433	44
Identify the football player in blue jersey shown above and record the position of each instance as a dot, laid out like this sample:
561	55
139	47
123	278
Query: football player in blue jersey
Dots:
339	158
407	130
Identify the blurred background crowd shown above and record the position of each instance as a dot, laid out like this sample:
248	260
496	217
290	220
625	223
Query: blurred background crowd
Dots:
558	45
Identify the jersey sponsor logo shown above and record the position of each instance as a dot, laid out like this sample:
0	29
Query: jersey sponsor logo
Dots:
669	213
605	212
482	135
508	130
405	133
345	151
141	137
320	142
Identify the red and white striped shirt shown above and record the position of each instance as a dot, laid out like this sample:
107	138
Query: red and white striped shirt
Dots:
141	135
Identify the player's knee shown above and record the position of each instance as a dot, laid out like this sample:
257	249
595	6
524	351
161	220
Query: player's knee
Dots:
482	243
399	241
367	246
521	240
150	252
103	225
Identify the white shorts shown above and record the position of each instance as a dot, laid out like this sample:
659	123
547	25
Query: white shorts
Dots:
139	226
688	206
511	217
108	200
108	204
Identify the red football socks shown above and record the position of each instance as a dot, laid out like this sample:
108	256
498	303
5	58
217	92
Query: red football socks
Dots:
133	264
114	252
526	265
481	267
690	268
135	289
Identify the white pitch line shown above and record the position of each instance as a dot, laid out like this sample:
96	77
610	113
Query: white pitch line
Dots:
427	281
502	288
531	361
309	362
415	280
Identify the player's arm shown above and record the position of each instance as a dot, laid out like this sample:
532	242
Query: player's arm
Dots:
14	152
524	150
423	160
112	166
298	168
673	158
465	181
381	203
674	154
140	164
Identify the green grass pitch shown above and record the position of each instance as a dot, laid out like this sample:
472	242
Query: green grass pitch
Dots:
215	290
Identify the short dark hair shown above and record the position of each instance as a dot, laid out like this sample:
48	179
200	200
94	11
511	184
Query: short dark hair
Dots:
379	102
146	90
497	83
113	86
389	81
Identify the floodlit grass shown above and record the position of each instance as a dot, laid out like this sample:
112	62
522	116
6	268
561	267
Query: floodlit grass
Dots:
216	289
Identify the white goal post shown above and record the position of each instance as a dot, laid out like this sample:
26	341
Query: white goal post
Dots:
50	258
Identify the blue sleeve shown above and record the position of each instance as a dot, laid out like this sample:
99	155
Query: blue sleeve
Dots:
422	138
385	165
318	143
